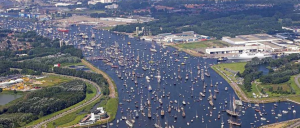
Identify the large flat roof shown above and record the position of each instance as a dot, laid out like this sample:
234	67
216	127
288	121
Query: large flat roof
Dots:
253	37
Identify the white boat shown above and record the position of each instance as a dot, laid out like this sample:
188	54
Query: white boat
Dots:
245	56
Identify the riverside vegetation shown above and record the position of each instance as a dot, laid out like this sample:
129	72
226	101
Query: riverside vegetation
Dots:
42	102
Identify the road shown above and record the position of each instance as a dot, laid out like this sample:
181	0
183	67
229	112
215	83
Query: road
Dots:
96	97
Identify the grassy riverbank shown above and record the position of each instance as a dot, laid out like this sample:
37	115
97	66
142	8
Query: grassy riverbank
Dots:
111	106
228	71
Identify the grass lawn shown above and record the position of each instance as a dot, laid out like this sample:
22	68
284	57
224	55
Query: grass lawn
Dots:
295	98
70	64
74	117
238	67
52	80
203	44
107	28
287	86
88	97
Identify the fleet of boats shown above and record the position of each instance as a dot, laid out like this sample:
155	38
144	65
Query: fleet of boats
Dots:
158	83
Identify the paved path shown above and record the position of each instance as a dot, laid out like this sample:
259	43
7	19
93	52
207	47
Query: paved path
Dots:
96	97
112	91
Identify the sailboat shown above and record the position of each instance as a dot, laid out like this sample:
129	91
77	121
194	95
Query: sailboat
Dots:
232	112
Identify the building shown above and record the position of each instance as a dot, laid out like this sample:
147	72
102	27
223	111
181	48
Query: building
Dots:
95	116
113	6
266	46
244	39
93	2
184	37
295	29
62	4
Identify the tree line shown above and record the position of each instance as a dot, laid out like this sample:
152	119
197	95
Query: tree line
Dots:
280	70
216	24
44	102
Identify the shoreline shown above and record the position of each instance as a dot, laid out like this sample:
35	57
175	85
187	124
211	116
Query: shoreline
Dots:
188	51
113	92
239	92
285	124
243	97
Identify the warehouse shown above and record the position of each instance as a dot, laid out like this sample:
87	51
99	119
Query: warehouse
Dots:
255	38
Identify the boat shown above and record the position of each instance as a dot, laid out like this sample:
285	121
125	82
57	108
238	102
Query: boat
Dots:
231	111
62	30
162	112
220	59
183	102
284	112
230	121
246	56
153	50
202	94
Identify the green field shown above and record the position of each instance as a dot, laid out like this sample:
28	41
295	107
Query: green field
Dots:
88	97
238	67
203	44
52	80
257	86
70	64
74	117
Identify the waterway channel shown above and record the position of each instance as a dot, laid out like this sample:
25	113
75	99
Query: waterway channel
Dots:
168	64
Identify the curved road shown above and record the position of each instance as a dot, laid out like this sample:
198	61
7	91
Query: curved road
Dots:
96	97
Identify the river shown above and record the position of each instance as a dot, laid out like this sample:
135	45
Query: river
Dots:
164	62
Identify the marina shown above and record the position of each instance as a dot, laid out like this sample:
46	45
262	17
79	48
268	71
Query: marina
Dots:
159	86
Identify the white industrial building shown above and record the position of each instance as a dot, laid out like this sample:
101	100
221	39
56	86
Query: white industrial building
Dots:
274	46
255	38
188	36
93	2
127	20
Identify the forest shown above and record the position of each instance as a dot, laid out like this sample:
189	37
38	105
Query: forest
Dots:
42	102
280	70
265	20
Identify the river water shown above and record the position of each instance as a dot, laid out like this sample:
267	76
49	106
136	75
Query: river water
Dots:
164	62
6	98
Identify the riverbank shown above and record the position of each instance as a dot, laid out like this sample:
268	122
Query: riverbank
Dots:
188	51
284	124
243	96
112	104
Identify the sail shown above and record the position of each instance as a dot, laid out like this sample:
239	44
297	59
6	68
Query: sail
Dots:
233	104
